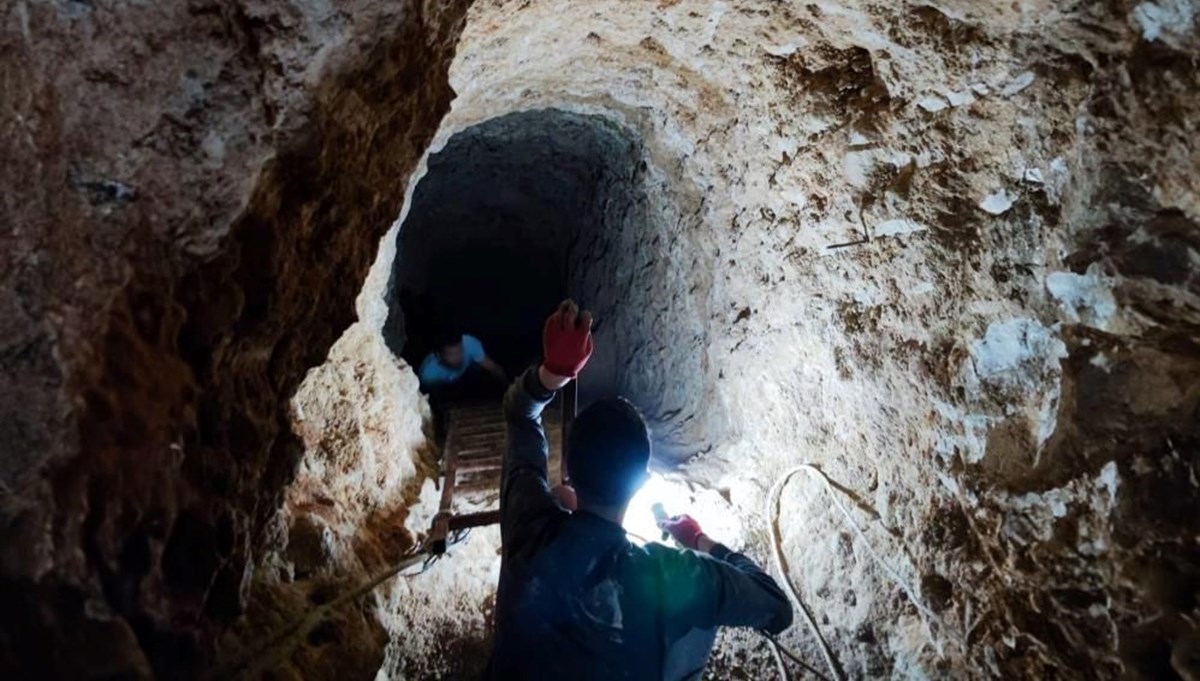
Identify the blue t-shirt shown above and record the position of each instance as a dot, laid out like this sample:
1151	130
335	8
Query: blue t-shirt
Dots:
433	372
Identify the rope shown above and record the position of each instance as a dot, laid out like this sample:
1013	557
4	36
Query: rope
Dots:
781	563
780	648
783	674
912	596
781	566
280	645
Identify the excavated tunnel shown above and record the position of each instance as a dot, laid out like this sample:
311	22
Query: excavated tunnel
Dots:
520	211
492	239
908	292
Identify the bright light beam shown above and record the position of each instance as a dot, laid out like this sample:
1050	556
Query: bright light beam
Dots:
674	496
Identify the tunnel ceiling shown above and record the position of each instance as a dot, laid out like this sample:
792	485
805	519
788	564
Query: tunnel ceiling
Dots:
486	247
525	208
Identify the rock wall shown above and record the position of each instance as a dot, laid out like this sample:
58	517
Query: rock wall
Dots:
202	188
345	517
946	252
485	246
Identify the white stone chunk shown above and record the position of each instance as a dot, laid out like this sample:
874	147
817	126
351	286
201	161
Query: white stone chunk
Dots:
1084	297
960	98
1167	20
786	49
932	104
1017	84
997	203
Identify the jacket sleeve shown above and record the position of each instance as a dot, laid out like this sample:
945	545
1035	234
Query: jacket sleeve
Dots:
724	588
526	502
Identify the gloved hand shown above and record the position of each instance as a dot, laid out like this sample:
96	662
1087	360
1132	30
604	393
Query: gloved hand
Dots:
567	340
684	529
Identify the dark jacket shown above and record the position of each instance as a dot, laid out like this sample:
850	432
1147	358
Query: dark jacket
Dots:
577	600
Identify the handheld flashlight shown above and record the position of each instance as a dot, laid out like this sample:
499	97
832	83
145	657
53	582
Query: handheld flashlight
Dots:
660	516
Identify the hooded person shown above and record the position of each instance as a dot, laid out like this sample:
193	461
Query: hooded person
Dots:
577	599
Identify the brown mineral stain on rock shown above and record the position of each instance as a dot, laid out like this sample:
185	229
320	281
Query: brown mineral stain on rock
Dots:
183	282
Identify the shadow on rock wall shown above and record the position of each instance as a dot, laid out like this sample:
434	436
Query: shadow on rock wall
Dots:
182	332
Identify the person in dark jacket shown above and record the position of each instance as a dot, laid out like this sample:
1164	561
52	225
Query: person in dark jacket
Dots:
576	598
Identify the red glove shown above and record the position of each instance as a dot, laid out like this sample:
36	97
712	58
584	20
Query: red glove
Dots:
685	529
567	340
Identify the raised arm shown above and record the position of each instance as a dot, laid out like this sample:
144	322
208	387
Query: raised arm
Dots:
524	488
526	501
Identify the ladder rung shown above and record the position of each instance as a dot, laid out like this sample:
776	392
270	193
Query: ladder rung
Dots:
480	438
479	428
475	451
480	464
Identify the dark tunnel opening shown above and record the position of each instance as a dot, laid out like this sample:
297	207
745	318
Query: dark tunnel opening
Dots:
513	215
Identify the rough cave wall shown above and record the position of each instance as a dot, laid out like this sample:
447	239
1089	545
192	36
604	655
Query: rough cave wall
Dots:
487	237
947	251
569	183
631	268
365	490
204	185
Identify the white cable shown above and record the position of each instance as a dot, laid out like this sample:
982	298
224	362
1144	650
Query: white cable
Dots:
781	565
781	568
783	675
912	596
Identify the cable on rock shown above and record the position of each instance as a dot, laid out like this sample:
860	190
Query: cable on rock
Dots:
779	666
279	646
781	567
778	648
781	563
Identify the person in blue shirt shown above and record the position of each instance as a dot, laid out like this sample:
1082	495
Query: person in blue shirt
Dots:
456	354
577	600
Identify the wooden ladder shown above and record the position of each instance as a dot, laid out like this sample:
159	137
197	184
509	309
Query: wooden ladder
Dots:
472	458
